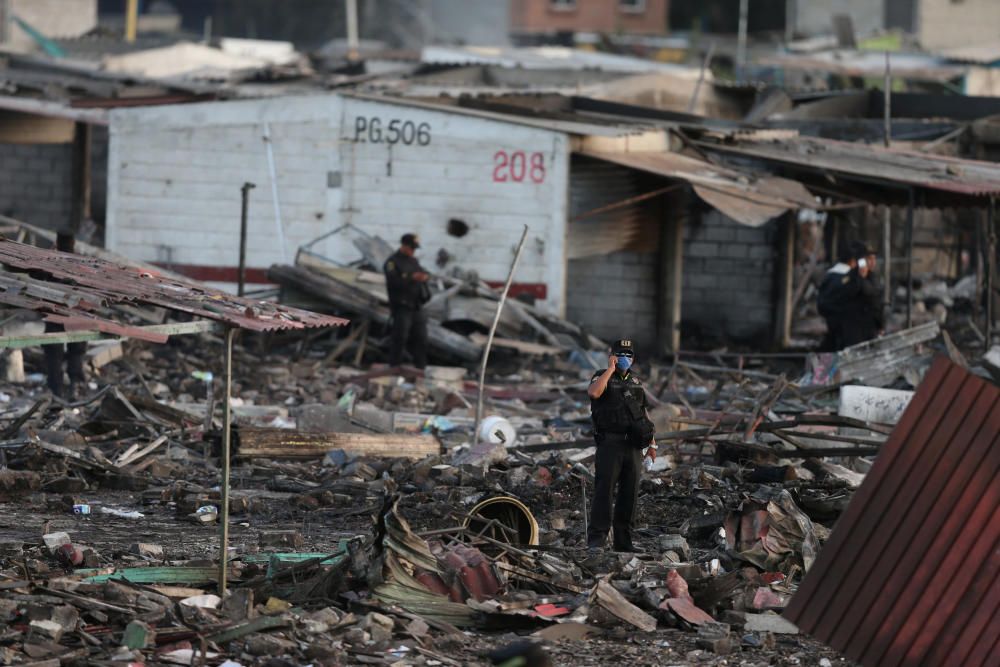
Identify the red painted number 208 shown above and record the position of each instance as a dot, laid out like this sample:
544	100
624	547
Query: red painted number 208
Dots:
516	166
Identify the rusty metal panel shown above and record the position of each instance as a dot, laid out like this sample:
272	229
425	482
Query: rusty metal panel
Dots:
910	574
72	289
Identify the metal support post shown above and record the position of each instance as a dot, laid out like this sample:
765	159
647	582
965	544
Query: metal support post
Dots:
991	267
909	259
226	444
887	261
493	330
741	42
245	191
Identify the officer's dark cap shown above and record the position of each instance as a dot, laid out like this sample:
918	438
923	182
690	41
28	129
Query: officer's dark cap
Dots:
623	346
859	249
410	241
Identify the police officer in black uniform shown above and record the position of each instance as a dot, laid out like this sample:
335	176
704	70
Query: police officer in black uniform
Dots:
622	430
406	282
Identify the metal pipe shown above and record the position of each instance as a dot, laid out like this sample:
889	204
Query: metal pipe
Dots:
273	174
352	29
909	259
991	265
493	330
705	64
131	19
888	102
887	261
741	41
245	191
226	443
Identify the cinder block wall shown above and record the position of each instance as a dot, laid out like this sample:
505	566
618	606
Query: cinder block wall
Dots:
728	283
614	296
36	183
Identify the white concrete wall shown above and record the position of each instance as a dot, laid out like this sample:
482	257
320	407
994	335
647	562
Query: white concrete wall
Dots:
946	24
53	18
175	174
816	18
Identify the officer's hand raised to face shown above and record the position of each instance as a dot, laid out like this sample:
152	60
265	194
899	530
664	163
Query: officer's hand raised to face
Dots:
612	363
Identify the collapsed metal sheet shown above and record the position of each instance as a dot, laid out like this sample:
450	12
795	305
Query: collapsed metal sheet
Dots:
910	574
72	287
747	198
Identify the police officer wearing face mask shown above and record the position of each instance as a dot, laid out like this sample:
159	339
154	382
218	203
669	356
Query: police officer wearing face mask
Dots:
622	430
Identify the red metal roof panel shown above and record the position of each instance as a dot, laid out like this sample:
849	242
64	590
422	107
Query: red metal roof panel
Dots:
909	575
65	284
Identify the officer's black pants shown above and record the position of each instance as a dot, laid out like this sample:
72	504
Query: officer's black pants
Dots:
409	331
55	355
618	464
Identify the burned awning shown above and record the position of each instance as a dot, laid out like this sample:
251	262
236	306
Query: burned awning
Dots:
748	198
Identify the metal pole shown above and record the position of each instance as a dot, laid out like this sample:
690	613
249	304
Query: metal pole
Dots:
224	486
741	41
991	264
352	29
245	191
273	173
888	102
909	260
705	64
493	330
790	20
887	261
131	19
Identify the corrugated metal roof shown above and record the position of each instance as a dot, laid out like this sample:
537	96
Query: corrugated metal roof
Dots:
72	289
910	574
750	199
980	54
917	66
876	163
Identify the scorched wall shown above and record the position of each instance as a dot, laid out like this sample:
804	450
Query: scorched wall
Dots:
175	174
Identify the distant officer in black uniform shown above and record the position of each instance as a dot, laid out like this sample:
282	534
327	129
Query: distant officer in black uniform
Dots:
622	430
849	300
406	281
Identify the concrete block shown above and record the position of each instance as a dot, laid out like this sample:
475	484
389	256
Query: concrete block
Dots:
751	234
770	623
703	249
735	250
705	280
760	251
719	233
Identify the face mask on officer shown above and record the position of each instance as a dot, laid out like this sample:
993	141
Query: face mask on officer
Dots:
624	362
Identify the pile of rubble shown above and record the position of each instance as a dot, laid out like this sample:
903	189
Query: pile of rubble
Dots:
366	529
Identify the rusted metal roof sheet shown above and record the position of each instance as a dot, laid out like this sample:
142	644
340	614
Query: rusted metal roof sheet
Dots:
73	290
875	163
910	573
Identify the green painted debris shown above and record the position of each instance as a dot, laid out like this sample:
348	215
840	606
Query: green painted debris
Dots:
192	576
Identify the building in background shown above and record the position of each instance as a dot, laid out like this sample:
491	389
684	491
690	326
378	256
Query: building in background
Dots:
51	18
535	21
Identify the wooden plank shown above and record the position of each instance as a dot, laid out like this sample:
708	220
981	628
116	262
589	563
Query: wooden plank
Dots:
171	329
519	345
284	443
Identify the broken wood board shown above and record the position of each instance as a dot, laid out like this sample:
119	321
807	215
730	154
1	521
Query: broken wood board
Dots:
879	362
607	597
284	443
519	345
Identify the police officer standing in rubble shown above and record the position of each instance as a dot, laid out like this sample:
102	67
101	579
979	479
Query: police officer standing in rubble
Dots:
849	300
622	430
406	282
